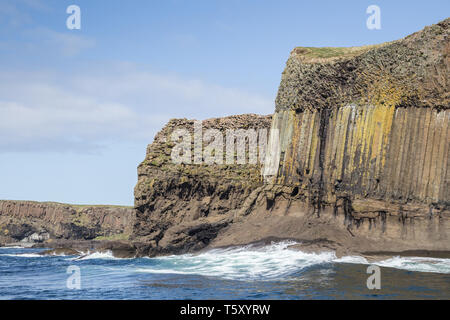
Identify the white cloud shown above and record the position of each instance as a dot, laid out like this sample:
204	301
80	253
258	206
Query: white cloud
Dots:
12	13
35	4
33	39
11	16
52	42
69	44
82	112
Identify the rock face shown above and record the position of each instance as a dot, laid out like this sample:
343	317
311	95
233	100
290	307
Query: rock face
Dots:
182	207
29	221
375	124
360	163
364	133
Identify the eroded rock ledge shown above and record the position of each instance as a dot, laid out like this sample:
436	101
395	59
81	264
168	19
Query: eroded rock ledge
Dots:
182	207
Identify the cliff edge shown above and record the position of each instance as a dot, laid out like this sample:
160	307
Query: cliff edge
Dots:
182	207
358	159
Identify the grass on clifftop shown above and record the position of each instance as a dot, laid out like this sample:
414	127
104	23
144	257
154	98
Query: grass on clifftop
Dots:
323	54
76	206
97	206
115	237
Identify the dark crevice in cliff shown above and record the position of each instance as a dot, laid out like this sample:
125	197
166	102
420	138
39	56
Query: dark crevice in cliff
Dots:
324	118
347	207
294	192
383	220
269	203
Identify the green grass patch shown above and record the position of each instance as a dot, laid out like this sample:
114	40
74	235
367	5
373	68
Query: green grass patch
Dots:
114	237
313	54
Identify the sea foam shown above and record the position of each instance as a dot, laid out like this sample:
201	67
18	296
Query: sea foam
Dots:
274	261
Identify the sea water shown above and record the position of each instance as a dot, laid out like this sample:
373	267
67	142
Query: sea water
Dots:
249	272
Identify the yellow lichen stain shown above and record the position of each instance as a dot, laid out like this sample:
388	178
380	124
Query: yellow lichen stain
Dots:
291	125
366	128
343	127
314	142
383	89
291	156
384	93
386	129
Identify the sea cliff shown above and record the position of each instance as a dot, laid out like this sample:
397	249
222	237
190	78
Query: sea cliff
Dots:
359	161
355	159
27	222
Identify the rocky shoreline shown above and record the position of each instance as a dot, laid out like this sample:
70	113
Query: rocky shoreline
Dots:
26	223
359	166
128	249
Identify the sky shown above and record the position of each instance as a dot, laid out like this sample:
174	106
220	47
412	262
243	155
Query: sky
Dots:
78	107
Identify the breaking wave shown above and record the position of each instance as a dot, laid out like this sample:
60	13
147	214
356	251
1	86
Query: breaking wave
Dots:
273	262
11	247
270	261
96	255
23	255
417	264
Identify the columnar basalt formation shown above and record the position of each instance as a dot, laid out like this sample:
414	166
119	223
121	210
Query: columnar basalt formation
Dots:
361	163
365	132
357	161
374	124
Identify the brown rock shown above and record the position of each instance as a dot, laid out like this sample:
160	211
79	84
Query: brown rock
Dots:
21	219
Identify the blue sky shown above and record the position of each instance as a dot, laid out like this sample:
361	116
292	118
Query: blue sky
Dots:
78	107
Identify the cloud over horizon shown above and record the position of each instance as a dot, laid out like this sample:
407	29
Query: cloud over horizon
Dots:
67	98
85	111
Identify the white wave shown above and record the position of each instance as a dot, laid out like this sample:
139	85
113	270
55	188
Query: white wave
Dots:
33	255
108	255
12	247
420	264
275	261
23	255
351	259
248	262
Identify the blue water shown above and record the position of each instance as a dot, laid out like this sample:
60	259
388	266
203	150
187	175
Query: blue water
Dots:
271	272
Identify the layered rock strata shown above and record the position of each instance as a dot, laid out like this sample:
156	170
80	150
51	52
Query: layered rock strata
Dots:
34	222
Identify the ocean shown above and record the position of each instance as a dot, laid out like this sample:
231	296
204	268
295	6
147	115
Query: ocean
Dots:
249	272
